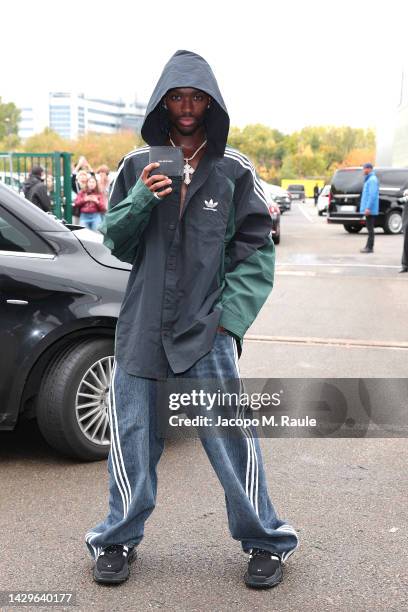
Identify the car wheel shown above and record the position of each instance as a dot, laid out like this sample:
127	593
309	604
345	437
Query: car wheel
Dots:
352	229
393	222
320	213
72	405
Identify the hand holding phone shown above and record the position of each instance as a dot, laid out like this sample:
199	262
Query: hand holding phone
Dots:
157	181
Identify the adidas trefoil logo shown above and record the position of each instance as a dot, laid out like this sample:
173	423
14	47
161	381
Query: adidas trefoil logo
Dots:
210	205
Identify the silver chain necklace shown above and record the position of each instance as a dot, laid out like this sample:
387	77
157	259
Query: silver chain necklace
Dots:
188	170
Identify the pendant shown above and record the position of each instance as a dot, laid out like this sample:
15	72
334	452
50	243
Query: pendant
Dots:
187	171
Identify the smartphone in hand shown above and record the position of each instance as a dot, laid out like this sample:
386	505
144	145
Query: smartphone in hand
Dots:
171	160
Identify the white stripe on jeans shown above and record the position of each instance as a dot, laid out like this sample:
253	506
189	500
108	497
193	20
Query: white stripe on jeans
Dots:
252	460
117	455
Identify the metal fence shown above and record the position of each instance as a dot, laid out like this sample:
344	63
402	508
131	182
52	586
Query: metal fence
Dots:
15	169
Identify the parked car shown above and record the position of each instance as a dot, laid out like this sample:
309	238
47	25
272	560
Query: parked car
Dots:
345	196
278	195
61	292
275	212
297	192
323	200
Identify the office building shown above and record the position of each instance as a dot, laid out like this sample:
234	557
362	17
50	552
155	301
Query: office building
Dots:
73	114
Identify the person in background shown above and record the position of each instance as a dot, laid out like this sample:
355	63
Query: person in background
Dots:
35	190
80	182
90	204
404	260
80	174
316	192
102	175
49	182
369	204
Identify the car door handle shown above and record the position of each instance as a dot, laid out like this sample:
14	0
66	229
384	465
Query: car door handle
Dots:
18	302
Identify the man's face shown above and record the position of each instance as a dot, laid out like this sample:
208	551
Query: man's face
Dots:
367	170
186	108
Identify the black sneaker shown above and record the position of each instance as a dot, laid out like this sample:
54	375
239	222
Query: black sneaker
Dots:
366	250
112	564
264	569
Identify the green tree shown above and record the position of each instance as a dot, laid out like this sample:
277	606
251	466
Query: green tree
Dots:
10	143
9	118
263	145
304	163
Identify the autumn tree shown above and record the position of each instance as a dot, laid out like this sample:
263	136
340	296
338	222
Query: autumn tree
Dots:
46	141
358	157
97	148
105	148
314	151
259	142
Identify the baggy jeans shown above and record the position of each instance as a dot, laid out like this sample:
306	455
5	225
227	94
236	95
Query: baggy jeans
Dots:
136	449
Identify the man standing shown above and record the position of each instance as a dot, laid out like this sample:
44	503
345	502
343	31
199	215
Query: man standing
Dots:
316	192
35	190
369	204
404	261
203	262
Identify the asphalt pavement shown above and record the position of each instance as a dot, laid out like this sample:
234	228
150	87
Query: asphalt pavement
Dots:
347	498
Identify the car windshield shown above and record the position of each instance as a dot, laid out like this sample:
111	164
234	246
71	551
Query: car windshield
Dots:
296	188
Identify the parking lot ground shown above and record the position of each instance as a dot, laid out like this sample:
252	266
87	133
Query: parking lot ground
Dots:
346	497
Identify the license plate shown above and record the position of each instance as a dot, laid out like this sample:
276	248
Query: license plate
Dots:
347	208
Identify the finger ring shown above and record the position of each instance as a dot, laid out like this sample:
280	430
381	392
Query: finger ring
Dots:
156	195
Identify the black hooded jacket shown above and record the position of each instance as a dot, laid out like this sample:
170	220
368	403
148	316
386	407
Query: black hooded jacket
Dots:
212	266
35	191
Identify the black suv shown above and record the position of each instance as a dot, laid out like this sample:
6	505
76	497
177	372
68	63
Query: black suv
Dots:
60	296
345	195
296	192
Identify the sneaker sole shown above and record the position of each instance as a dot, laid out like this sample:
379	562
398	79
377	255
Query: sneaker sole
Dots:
114	578
255	582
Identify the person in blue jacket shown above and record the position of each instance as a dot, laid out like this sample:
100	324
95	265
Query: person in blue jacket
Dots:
369	204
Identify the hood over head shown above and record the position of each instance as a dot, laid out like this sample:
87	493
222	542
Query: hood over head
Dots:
187	69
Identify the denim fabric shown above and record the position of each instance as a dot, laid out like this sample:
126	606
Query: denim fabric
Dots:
136	450
90	220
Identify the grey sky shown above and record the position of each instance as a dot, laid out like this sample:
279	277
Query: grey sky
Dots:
284	63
